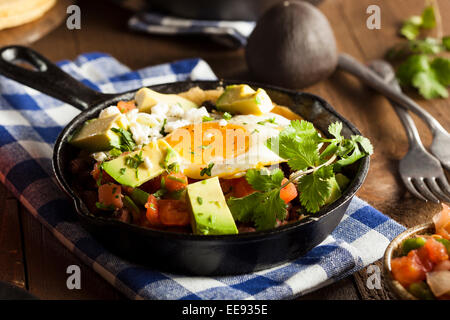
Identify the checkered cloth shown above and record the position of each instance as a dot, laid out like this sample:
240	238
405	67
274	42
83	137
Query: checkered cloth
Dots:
29	125
228	33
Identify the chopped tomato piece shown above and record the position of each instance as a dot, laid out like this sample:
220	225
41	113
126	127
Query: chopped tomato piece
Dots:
152	185
433	251
408	269
173	213
242	188
97	173
289	192
227	185
125	106
176	181
110	194
152	214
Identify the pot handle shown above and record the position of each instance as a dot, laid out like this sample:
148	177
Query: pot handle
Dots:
47	77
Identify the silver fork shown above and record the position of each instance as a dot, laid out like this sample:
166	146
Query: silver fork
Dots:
420	171
440	146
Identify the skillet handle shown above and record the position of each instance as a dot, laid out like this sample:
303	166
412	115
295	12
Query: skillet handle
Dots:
47	77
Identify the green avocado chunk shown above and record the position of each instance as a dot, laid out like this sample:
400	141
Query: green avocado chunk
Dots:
147	98
210	214
242	99
96	135
131	170
342	181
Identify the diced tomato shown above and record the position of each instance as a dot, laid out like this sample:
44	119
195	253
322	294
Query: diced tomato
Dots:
110	194
152	185
432	253
175	181
173	213
289	192
96	173
408	269
125	106
227	185
152	214
242	188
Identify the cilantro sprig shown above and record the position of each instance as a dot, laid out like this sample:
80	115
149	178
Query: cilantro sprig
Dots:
423	69
314	160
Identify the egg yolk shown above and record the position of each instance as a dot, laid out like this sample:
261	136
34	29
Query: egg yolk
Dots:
204	142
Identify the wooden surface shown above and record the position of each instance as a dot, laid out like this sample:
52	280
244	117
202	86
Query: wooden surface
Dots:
32	258
33	31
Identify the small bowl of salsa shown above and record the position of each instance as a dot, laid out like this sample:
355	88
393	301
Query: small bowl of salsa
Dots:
417	262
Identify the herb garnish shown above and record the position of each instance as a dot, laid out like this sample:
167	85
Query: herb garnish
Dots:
102	206
162	131
227	116
134	162
271	120
207	170
299	143
206	119
422	69
127	142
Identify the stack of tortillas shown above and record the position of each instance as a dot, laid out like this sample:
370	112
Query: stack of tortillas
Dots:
14	13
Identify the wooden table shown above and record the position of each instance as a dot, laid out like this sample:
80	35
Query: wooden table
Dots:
31	258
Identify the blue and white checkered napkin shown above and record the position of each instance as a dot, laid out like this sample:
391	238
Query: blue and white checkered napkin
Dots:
229	33
31	121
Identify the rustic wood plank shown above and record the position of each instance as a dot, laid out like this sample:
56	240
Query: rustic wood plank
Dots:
47	262
12	269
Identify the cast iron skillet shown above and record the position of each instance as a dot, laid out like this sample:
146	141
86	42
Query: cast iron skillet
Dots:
176	252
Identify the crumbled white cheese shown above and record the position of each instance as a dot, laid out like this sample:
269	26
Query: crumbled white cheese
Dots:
173	125
140	133
108	112
147	163
223	122
175	111
160	109
196	115
99	156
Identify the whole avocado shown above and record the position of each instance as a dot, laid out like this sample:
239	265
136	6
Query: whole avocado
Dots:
292	46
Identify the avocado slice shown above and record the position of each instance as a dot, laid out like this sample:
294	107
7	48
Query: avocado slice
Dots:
210	214
242	99
122	169
96	134
147	98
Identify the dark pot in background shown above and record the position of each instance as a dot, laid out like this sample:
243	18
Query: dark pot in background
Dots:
216	9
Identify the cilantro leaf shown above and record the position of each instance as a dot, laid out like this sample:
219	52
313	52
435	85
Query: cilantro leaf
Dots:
428	18
207	170
242	208
446	42
263	181
271	208
127	142
315	188
430	79
298	143
441	67
411	27
428	85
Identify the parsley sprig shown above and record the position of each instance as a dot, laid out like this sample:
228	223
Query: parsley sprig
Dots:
314	160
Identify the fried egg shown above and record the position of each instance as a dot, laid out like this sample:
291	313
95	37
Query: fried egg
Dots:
226	149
